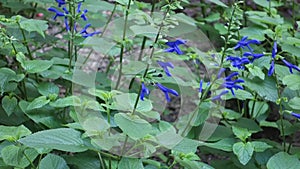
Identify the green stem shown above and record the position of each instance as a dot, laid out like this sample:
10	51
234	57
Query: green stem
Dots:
122	45
269	12
101	161
145	38
31	163
25	41
145	73
213	80
71	41
109	19
227	35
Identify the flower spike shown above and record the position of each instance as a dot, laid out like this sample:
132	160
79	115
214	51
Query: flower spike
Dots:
165	66
167	91
173	46
144	91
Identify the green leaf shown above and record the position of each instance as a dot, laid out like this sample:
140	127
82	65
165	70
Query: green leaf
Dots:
265	4
9	104
294	103
13	133
218	2
15	156
47	88
265	88
130	163
67	101
282	160
63	139
126	102
253	33
53	161
84	160
243	151
292	81
94	42
134	67
241	133
133	125
38	103
34	25
33	66
260	146
224	144
8	80
186	146
145	30
256	71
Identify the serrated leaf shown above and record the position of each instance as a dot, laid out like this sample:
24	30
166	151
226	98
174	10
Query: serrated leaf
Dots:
133	125
243	151
9	104
38	103
241	133
53	161
63	139
258	108
8	78
224	144
282	160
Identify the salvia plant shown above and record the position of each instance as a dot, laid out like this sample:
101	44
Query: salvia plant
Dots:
149	84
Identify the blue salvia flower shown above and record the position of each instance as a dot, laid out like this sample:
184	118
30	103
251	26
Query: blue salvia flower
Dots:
291	66
57	12
84	32
238	62
254	55
83	13
144	91
218	97
167	91
60	2
274	50
173	46
165	66
221	71
233	84
66	19
246	43
272	68
295	115
201	85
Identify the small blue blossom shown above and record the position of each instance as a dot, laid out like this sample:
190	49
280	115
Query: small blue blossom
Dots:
221	71
272	68
173	46
238	62
66	19
254	55
167	91
295	115
233	84
201	85
274	50
57	12
246	43
165	66
60	2
218	97
84	32
290	66
144	91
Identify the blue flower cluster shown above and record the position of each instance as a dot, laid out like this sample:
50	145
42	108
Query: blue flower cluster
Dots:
288	64
248	57
65	14
173	47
